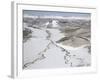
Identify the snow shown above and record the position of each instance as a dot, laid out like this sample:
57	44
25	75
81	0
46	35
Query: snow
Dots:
54	57
58	17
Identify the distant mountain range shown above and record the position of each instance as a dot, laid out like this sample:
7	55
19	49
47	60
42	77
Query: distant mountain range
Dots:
57	17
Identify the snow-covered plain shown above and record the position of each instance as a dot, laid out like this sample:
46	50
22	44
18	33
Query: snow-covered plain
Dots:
54	43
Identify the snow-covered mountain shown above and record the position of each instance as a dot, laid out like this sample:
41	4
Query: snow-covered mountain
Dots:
55	41
57	17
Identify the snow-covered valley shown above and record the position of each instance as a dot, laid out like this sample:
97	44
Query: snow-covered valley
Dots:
54	43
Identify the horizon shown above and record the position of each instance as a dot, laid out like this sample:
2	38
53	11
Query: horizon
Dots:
55	13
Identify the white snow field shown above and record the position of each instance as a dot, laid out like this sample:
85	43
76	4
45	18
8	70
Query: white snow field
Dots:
47	49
